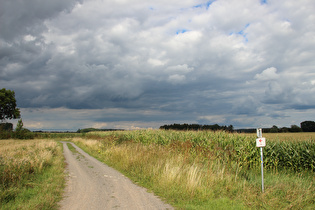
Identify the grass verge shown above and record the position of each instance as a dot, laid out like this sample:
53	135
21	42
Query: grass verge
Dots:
32	174
71	148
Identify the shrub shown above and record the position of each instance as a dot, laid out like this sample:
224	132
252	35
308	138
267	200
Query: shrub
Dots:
23	134
6	134
6	127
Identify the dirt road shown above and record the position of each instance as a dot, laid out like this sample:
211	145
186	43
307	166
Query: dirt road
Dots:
94	185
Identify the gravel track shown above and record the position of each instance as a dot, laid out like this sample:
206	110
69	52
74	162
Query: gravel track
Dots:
92	184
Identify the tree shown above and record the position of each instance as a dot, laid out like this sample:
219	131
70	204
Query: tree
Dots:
295	128
274	129
8	109
283	130
22	133
308	126
230	128
19	125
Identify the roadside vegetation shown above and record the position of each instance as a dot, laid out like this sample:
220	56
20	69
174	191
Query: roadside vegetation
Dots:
211	170
31	174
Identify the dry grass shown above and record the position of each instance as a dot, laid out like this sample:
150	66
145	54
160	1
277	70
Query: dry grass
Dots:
36	153
25	173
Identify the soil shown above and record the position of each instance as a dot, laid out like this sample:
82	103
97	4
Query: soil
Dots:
92	184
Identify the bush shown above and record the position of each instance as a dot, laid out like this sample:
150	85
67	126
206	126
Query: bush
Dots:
6	127
6	134
23	134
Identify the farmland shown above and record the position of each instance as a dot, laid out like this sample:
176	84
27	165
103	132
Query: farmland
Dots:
203	169
189	169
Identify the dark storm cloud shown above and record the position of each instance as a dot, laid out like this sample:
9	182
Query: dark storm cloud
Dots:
19	18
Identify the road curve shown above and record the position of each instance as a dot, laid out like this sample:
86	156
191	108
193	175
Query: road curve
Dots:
92	184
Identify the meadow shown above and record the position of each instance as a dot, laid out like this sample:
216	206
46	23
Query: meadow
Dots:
212	170
31	174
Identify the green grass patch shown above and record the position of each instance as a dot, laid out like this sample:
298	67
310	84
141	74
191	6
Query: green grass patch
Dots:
71	148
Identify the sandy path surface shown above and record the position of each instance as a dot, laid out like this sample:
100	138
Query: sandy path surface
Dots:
94	185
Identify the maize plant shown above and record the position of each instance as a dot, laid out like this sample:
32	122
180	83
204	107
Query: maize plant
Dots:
225	147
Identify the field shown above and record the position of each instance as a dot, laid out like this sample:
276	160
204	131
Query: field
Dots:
31	174
210	170
189	169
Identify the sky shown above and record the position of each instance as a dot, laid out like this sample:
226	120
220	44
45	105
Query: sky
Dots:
129	64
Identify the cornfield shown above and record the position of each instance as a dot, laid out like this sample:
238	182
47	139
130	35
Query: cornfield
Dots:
226	147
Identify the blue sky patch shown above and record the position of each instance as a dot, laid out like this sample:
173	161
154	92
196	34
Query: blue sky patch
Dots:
242	32
181	31
263	2
206	5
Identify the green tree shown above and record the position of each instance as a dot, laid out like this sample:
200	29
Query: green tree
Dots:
19	125
22	133
230	128
8	109
308	126
274	129
295	128
283	130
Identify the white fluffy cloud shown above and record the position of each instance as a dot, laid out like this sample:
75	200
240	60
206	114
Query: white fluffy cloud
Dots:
268	74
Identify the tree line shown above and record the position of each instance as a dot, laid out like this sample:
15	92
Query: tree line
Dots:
185	126
306	126
86	130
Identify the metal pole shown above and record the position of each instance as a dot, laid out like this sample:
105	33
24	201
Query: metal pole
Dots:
259	135
262	169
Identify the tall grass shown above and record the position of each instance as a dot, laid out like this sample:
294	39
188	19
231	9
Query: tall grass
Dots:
31	174
207	170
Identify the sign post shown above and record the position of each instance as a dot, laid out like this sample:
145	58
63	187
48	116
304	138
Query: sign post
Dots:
261	142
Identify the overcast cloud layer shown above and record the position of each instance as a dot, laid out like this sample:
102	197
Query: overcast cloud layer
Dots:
146	63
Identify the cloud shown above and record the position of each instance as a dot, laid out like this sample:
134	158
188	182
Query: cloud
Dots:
287	89
19	18
185	60
267	74
179	69
176	79
212	119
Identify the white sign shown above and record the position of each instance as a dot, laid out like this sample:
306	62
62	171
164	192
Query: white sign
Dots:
261	142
